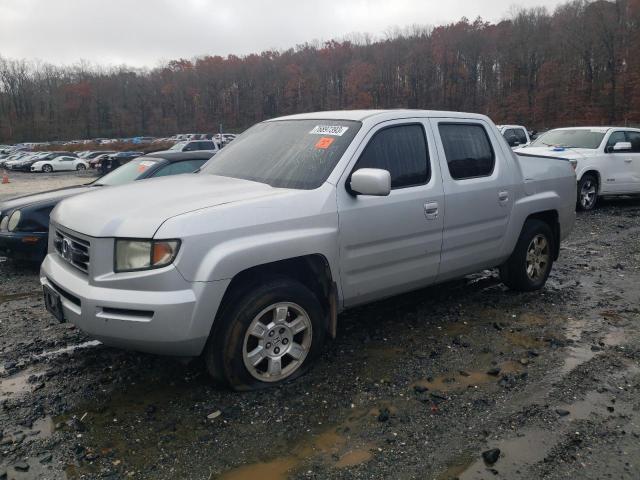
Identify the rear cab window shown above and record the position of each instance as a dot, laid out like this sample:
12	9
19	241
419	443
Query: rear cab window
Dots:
468	150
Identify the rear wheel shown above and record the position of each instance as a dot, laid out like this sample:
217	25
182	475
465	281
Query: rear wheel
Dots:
47	168
587	192
267	336
530	263
81	167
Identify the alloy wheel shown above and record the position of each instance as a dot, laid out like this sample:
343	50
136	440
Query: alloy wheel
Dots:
277	342
538	257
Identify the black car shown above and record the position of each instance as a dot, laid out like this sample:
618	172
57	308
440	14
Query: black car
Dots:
24	221
116	160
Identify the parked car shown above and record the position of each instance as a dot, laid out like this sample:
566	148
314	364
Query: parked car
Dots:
249	262
24	221
607	160
23	162
515	135
195	145
96	162
114	161
59	163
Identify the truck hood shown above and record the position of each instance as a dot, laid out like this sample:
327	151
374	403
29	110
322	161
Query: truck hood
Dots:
137	210
568	153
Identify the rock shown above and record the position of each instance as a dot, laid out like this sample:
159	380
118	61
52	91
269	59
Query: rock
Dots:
491	456
384	415
464	374
595	348
494	371
46	458
610	409
78	425
21	467
420	388
533	353
524	361
214	415
562	412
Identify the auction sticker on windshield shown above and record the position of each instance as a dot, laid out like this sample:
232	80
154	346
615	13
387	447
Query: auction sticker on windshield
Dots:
324	143
335	130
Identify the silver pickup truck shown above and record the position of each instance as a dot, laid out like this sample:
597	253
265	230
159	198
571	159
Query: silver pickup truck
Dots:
249	262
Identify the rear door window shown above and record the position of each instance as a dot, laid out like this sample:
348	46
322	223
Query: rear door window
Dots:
634	138
402	151
467	149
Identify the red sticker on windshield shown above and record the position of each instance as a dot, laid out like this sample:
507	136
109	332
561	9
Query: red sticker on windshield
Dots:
324	143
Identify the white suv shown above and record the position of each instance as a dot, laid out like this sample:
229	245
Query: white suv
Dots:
607	159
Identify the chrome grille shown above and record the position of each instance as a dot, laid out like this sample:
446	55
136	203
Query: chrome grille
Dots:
74	250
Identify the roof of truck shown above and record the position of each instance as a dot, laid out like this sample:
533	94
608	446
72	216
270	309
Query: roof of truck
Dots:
361	115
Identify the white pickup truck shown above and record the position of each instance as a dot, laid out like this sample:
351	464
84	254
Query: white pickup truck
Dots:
516	135
607	159
249	262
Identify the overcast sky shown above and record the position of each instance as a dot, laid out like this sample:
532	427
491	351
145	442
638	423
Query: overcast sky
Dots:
146	32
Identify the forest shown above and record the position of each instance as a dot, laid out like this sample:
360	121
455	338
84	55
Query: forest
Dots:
577	65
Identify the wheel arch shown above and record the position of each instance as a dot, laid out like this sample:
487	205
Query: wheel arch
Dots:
595	173
313	271
551	218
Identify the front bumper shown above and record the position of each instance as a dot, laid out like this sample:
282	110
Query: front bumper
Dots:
27	246
175	319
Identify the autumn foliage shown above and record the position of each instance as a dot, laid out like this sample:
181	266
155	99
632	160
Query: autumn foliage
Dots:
578	65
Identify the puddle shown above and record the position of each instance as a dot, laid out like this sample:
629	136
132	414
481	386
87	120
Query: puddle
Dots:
616	336
531	447
576	356
595	403
332	447
10	297
41	429
524	341
460	381
18	384
533	320
68	349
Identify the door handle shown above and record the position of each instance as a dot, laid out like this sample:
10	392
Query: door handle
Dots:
627	161
503	196
431	210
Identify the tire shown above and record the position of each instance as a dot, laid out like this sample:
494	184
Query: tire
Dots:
227	353
81	167
587	192
47	168
529	266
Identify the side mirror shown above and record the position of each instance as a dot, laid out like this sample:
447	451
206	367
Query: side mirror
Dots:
622	147
371	181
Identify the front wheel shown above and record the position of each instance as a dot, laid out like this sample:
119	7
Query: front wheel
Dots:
587	192
529	266
47	168
266	336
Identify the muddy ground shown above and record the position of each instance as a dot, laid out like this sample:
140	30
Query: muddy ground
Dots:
23	183
418	386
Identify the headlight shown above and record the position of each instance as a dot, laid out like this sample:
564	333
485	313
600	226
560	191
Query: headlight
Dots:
14	220
4	222
132	255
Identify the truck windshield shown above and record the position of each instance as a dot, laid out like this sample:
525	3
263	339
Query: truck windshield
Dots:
296	154
578	138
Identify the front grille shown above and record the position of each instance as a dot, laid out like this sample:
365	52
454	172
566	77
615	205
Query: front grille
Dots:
74	250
